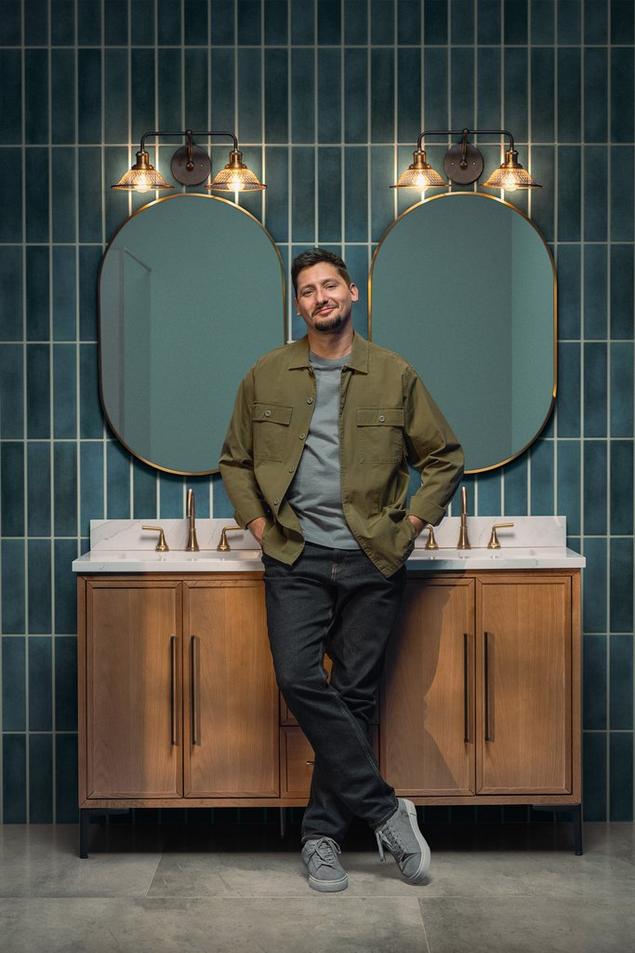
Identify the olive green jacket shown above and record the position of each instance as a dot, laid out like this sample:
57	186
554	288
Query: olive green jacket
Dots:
387	420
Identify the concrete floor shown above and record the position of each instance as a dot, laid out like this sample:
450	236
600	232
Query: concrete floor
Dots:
188	889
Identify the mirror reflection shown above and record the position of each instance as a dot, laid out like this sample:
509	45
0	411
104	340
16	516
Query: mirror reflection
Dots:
464	286
191	293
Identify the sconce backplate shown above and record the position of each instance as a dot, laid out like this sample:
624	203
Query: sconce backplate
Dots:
452	163
202	166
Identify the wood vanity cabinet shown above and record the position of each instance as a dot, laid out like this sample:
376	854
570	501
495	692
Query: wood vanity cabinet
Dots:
479	701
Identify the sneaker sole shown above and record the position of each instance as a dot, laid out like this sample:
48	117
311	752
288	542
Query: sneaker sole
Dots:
328	886
422	869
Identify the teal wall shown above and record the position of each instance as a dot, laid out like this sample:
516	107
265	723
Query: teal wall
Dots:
327	99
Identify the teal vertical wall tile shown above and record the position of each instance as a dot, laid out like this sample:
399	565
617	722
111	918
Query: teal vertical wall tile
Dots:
277	199
65	488
222	22
569	289
12	488
489	493
63	211
569	193
595	100
621	584
171	504
11	322
13	683
36	22
39	586
40	681
11	385
10	24
595	291
303	99
144	489
595	390
64	391
435	88
515	476
621	694
621	501
170	90
621	776
356	20
66	799
621	17
462	93
382	93
38	391
515	21
66	683
569	112
595	487
39	489
13	614
516	106
488	17
91	463
116	161
89	22
543	202
36	198
329	119
594	807
568	399
329	194
10	83
382	22
381	175
462	21
64	294
63	96
568	489
90	418
118	481
488	93
223	507
41	779
65	551
594	589
594	682
328	22
37	293
221	92
115	22
89	261
303	194
356	258
435	21
116	79
14	779
621	320
196	89
595	21
89	188
142	23
168	23
622	175
249	108
36	97
569	16
302	20
621	389
355	94
356	194
275	22
142	95
542	475
542	93
276	96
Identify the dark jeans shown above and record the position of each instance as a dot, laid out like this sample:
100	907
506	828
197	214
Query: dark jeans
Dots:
334	600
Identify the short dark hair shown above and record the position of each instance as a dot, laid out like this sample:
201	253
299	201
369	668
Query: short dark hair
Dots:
313	257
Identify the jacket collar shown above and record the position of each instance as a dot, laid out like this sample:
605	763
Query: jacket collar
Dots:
299	354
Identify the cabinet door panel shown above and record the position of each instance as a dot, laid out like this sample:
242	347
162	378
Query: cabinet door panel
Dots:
236	749
427	697
526	747
133	693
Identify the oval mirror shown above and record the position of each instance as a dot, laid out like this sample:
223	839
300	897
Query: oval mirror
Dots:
191	293
464	286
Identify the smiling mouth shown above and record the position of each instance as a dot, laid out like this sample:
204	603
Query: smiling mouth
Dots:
325	310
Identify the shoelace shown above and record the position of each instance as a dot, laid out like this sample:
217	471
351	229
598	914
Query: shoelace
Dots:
393	842
326	844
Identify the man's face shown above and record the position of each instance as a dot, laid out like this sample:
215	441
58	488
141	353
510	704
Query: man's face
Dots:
323	298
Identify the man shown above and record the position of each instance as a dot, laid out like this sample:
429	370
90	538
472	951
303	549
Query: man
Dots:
315	463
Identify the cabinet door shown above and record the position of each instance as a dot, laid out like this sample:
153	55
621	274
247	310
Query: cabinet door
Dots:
230	693
427	698
133	696
524	674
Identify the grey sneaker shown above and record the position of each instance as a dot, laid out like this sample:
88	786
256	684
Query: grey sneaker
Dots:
325	871
400	834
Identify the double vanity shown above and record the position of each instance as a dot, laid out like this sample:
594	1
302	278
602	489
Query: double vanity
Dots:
479	701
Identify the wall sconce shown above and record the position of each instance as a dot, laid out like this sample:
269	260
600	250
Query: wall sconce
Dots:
190	165
463	164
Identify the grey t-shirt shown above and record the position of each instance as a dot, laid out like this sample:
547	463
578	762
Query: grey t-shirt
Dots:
315	492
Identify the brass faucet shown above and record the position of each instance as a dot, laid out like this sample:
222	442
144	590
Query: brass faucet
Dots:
223	545
463	542
190	512
161	546
493	540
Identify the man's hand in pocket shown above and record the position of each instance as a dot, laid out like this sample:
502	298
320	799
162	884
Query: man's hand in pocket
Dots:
256	528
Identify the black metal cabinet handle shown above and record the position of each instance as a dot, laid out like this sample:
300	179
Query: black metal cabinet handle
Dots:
196	740
489	735
466	719
173	644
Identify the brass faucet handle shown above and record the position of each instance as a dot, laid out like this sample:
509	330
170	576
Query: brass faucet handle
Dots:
161	546
223	545
431	542
493	540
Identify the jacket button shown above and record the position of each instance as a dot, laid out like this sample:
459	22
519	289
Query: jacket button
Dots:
291	469
301	436
267	413
382	418
309	400
276	500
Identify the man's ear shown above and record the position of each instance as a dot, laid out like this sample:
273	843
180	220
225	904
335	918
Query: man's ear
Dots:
354	290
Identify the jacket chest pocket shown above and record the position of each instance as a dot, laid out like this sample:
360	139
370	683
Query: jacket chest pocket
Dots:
380	433
270	426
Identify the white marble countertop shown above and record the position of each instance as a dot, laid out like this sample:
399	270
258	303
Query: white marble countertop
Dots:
120	546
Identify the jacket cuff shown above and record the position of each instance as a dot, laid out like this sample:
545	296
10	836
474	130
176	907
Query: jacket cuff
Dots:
248	514
427	511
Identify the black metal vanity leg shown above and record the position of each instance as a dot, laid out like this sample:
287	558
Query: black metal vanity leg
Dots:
84	813
577	829
283	821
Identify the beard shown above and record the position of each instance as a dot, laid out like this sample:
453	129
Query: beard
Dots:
329	324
